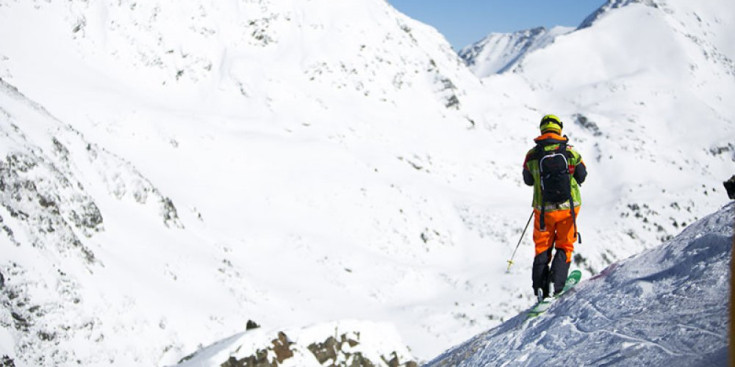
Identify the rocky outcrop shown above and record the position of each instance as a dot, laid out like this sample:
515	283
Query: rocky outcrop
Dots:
333	352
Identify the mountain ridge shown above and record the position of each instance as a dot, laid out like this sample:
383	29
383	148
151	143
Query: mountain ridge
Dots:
624	314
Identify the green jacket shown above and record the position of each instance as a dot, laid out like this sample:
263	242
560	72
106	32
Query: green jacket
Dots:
531	174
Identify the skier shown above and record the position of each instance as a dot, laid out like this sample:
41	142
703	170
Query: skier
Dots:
555	170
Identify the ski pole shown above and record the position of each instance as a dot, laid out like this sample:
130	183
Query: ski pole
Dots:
510	262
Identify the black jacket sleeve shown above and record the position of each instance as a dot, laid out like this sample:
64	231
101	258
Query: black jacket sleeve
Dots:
527	177
580	173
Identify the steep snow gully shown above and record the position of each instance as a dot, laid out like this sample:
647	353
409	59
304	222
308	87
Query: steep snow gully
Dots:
665	307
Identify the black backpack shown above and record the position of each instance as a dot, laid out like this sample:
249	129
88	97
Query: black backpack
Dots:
555	177
556	185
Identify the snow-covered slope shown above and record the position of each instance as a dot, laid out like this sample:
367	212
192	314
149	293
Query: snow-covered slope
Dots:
61	251
187	167
307	185
665	307
500	52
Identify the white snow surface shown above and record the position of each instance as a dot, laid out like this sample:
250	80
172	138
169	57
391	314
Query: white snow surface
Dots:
170	170
665	307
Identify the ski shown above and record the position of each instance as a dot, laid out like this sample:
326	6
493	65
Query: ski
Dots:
544	304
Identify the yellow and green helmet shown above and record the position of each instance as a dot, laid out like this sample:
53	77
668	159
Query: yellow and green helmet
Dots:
551	123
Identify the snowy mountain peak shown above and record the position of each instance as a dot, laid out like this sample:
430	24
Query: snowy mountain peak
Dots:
615	4
500	52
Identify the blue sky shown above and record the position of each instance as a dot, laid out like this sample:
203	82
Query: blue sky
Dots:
464	22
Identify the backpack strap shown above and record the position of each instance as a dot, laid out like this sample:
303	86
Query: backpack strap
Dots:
577	235
539	152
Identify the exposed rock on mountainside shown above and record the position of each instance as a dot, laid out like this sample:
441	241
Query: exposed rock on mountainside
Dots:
51	180
347	343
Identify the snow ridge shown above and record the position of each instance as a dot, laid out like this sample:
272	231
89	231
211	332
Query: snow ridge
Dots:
667	306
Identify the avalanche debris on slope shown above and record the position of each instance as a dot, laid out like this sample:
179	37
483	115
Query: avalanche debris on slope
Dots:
665	307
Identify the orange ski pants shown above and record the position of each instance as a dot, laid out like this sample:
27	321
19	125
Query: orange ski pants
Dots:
559	231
